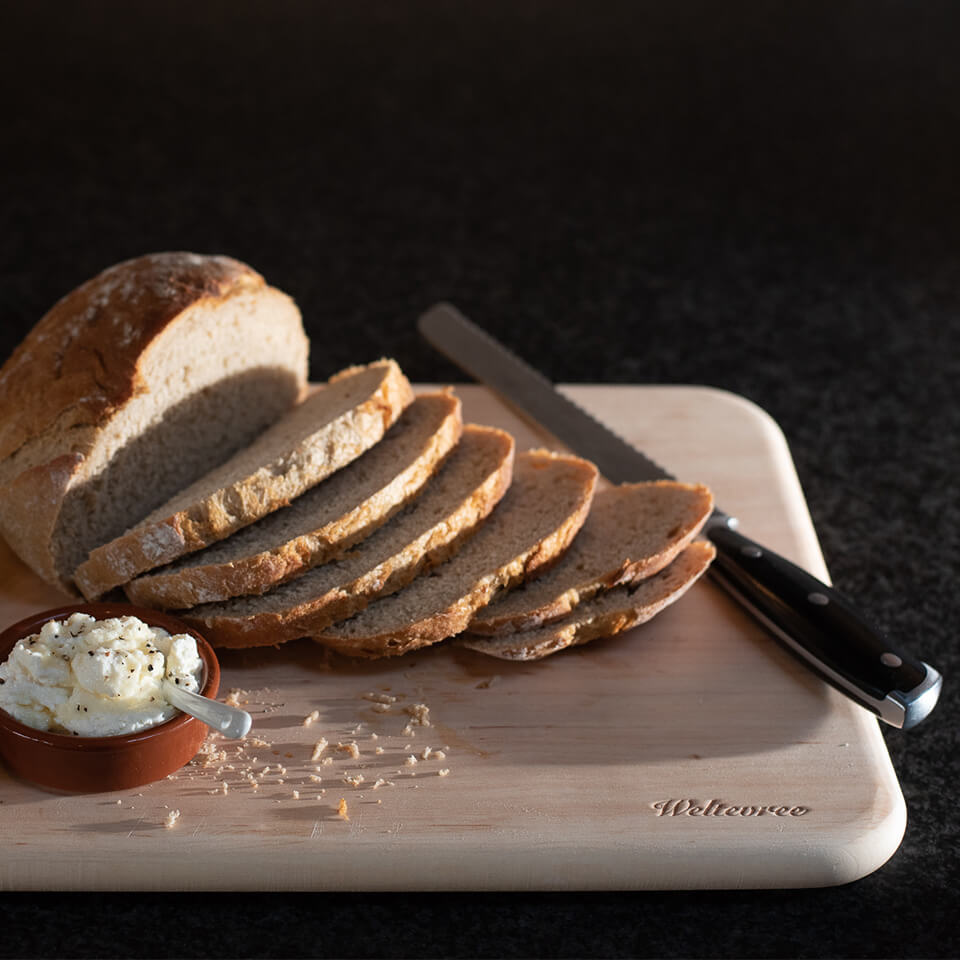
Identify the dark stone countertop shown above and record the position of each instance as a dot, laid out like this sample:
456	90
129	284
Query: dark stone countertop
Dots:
756	197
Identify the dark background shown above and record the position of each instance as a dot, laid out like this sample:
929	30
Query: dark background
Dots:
756	196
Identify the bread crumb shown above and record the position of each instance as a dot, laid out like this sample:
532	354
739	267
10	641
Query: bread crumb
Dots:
408	731
420	713
355	780
378	750
311	717
443	772
233	697
326	761
373	736
119	802
296	794
172	817
224	788
318	749
315	779
380	782
411	760
381	707
381	698
342	809
350	748
257	742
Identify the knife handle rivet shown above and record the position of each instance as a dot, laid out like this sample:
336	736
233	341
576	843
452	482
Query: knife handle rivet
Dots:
818	599
890	659
751	551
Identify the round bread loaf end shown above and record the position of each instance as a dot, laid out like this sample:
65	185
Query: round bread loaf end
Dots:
132	386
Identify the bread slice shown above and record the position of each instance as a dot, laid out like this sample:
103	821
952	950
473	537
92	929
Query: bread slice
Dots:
633	531
545	507
604	616
331	428
324	521
115	400
455	501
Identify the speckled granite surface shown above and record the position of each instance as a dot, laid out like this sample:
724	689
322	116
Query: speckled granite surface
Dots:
744	195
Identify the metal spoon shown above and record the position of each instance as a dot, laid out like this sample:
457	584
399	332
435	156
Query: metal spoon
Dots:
230	721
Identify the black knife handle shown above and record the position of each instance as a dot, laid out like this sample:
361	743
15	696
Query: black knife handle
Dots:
816	623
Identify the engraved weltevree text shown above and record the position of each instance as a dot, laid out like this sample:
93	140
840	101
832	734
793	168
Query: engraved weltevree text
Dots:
718	808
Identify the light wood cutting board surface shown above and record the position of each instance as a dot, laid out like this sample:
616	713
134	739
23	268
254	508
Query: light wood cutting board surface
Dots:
582	771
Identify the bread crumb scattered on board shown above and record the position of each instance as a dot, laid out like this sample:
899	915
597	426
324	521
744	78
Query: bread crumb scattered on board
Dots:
342	811
171	820
420	713
381	698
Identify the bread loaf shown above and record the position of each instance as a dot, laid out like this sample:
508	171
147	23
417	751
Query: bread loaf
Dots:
328	430
132	386
454	503
604	616
531	527
633	531
323	522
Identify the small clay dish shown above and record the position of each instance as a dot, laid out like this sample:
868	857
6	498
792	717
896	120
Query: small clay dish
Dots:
74	764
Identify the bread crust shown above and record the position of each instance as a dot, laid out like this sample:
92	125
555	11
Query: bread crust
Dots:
310	617
259	572
160	541
80	366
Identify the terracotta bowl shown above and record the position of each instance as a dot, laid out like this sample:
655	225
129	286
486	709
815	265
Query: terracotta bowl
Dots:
99	764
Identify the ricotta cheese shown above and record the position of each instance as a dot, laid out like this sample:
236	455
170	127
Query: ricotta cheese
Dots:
96	678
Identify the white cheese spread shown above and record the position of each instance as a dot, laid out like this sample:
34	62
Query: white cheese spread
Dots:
96	678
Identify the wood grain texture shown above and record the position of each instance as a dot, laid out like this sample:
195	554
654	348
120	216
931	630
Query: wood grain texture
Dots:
555	768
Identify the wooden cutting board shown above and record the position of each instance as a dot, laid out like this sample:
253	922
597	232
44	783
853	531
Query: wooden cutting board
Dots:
641	761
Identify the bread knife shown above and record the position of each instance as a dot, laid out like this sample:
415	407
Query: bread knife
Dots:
815	622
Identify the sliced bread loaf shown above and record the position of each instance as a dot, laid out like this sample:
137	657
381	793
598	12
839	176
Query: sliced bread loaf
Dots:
324	521
541	513
324	433
130	388
633	531
614	611
455	501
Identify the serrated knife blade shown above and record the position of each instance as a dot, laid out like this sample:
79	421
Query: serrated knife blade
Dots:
813	620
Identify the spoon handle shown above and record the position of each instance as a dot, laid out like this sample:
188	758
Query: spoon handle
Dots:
229	721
